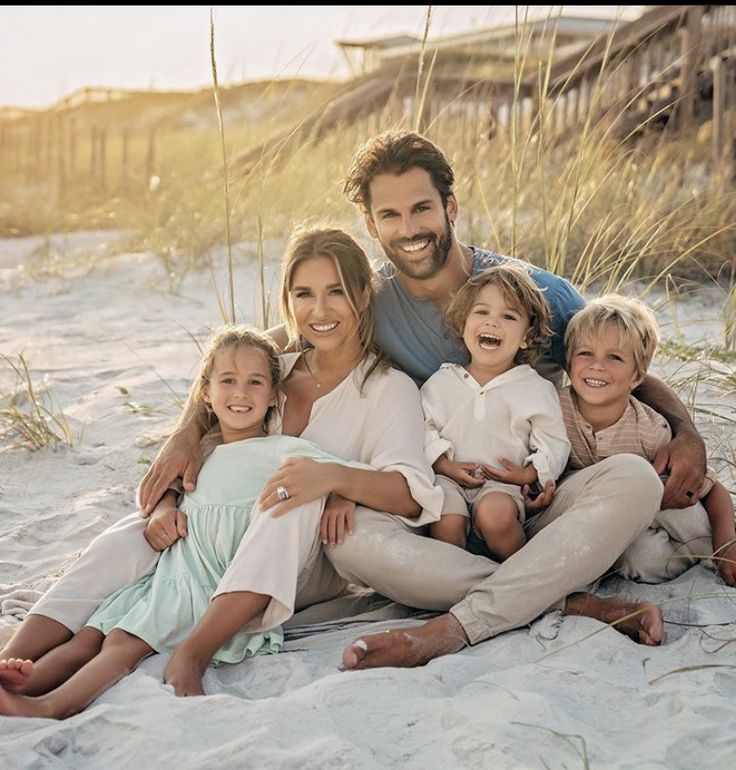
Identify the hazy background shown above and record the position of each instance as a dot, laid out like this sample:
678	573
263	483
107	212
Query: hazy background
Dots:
47	52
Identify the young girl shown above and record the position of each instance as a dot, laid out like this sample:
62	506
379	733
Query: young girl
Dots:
237	386
495	426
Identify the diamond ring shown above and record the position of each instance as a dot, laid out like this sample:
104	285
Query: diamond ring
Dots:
282	493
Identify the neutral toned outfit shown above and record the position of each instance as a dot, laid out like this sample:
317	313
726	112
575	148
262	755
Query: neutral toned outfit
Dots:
515	415
162	608
378	423
678	538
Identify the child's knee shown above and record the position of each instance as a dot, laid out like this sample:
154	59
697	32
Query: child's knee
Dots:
450	529
497	514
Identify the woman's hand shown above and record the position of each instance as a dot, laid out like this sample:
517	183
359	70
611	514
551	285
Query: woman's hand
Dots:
338	516
180	457
511	473
166	524
304	480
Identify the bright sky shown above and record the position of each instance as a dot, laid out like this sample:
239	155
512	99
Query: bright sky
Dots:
47	52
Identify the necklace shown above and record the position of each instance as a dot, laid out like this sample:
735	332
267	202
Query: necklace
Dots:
309	369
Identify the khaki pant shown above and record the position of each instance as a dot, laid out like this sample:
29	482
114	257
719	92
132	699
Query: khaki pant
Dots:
594	517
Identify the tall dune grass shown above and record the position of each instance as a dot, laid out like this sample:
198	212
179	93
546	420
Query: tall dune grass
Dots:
597	208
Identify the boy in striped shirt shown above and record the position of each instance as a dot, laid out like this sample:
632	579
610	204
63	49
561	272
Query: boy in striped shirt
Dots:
609	346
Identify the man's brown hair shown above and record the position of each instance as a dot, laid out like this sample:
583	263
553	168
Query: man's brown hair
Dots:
396	152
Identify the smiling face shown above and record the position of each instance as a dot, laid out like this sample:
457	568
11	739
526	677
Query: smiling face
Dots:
320	307
603	373
239	391
495	329
411	224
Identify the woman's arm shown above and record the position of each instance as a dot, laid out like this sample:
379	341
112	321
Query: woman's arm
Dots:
180	457
683	459
307	480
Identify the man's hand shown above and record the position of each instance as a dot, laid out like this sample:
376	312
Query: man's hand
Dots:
180	457
337	517
461	472
511	473
683	460
166	524
536	504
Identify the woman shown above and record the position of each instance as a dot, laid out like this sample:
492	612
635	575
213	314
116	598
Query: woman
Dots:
341	395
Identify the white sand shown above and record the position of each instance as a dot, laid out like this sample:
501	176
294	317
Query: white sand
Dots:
114	346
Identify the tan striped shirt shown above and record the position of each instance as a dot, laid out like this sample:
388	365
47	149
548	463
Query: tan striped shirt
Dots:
640	431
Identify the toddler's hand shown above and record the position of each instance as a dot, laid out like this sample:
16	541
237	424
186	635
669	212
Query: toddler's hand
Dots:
541	501
510	473
338	516
466	474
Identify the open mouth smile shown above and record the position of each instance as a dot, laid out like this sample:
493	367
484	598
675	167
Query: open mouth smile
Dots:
323	328
489	341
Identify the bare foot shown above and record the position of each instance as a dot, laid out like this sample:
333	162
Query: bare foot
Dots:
15	673
185	674
642	621
406	647
13	705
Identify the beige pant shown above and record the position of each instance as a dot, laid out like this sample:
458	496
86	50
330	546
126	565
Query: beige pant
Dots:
281	558
678	539
586	528
595	515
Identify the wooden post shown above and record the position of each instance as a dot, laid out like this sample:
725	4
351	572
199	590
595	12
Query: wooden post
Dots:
102	167
150	155
93	152
691	35
60	166
124	171
72	159
719	108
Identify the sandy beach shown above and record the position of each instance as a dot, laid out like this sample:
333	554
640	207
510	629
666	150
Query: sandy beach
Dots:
116	351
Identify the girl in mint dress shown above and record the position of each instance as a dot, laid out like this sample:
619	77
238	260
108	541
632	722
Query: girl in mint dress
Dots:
238	388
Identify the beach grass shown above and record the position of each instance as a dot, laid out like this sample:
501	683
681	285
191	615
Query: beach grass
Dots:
29	414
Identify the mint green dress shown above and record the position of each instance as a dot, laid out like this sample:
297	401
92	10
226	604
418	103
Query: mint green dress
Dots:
163	608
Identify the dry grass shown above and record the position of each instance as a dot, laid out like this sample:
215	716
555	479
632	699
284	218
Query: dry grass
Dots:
599	208
29	416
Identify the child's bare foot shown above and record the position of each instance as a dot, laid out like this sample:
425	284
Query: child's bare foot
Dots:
642	621
185	674
14	673
407	647
13	705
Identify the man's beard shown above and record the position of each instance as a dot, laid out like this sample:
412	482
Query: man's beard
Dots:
437	258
